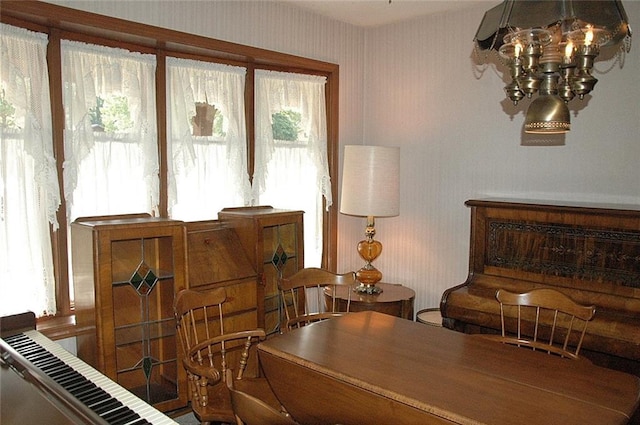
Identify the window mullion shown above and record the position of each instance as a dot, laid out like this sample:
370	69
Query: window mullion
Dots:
250	108
61	263
161	112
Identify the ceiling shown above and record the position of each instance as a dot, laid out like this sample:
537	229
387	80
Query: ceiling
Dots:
370	13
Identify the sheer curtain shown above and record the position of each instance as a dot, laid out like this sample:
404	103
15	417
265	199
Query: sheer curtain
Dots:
208	167
29	193
293	173
111	153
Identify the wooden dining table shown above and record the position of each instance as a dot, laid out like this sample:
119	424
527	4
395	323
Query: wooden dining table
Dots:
373	368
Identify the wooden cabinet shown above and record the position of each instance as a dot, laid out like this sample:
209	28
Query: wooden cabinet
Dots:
126	271
273	241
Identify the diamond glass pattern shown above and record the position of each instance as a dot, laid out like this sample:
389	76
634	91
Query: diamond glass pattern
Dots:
143	279
279	258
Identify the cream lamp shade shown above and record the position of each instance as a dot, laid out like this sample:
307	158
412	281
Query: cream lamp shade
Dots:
371	181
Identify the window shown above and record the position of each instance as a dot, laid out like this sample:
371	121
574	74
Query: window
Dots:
29	194
291	169
208	149
114	129
111	151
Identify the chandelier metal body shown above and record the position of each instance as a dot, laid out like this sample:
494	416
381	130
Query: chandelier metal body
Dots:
550	48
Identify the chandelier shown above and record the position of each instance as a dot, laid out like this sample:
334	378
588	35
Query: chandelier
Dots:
550	48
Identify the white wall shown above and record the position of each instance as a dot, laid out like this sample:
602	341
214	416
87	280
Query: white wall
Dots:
417	85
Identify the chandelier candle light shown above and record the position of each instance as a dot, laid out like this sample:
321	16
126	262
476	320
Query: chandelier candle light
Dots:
550	47
370	188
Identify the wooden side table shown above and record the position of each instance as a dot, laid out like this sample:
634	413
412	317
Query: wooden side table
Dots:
395	300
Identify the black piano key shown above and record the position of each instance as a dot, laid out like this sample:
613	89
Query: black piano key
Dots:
86	396
35	355
50	361
100	398
80	388
94	399
63	374
70	380
30	349
19	343
62	371
106	406
117	414
56	369
128	419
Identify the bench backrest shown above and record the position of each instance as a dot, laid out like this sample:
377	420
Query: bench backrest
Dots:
590	252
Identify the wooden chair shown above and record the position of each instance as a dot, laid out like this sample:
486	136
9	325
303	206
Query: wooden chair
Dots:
250	410
209	352
304	299
545	319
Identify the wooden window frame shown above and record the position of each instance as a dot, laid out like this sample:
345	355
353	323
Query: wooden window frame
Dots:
72	24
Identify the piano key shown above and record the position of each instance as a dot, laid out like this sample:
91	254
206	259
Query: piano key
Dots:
93	397
129	420
106	405
81	388
114	403
71	380
53	368
48	363
117	414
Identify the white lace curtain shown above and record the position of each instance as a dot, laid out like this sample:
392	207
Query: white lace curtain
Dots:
112	170
206	172
293	174
29	193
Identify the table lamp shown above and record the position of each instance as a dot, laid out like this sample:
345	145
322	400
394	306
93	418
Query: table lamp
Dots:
370	188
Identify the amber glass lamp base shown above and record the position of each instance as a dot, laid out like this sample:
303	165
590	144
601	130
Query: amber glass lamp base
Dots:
368	275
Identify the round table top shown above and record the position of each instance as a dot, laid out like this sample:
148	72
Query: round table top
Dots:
390	293
429	316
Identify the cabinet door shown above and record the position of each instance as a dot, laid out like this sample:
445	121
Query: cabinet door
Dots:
280	258
138	266
143	289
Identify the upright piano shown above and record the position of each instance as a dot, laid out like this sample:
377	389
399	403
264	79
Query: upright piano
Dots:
41	382
590	252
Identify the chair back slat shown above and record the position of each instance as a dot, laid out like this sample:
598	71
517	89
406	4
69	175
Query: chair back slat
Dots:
195	314
305	298
546	319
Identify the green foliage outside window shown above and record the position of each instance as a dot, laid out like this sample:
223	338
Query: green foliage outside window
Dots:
111	114
7	111
218	128
286	125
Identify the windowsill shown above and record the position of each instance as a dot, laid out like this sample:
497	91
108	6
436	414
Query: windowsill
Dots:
61	327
